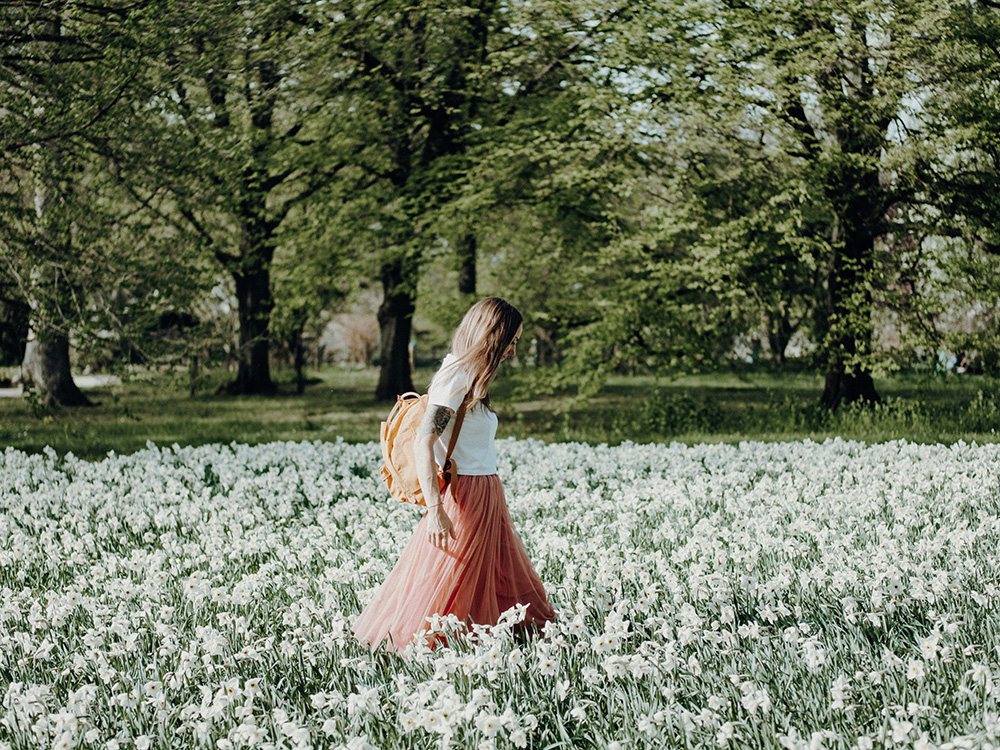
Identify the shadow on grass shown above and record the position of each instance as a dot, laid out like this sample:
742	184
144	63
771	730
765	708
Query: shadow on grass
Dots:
339	403
124	418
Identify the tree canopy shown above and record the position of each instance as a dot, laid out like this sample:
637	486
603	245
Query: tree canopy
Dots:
651	185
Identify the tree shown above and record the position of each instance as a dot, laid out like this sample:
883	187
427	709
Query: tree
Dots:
51	233
308	282
460	93
416	68
959	173
244	128
88	265
962	45
631	188
835	80
819	94
64	68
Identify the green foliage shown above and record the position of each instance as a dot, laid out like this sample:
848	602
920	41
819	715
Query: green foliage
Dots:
65	69
646	184
77	246
963	169
667	414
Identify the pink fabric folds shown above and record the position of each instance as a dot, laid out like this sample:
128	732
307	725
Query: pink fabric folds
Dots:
484	571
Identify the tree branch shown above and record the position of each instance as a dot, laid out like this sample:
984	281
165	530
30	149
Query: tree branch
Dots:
78	131
560	58
317	183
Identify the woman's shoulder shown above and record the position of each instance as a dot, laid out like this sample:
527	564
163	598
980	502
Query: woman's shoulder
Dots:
451	383
452	368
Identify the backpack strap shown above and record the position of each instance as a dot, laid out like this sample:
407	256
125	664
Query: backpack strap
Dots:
453	441
401	401
454	433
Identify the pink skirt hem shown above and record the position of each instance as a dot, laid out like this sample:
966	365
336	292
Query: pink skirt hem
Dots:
484	571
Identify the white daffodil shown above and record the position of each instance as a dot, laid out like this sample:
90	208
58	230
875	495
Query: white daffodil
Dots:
691	583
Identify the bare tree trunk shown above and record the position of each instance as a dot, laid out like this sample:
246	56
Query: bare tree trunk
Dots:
395	319
467	264
779	333
14	321
46	368
849	296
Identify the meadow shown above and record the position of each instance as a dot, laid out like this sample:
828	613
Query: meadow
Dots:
727	406
727	570
796	595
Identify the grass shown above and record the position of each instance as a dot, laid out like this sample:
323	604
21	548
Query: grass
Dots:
339	402
731	407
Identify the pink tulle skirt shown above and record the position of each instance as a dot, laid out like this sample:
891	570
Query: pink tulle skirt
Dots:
484	571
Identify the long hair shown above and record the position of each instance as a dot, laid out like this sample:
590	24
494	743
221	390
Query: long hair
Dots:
479	342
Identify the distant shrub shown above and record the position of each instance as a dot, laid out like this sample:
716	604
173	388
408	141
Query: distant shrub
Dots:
981	415
669	413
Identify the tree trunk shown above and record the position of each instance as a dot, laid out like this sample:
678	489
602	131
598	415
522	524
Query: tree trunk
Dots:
779	333
252	269
46	368
546	349
861	202
253	294
14	323
395	320
467	264
193	376
849	300
299	359
46	365
844	388
251	273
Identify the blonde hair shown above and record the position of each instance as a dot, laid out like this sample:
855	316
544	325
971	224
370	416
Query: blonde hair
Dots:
479	343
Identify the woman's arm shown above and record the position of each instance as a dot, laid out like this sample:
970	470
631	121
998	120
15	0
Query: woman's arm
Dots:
433	425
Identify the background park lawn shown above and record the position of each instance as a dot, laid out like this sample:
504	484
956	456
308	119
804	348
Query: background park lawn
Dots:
727	406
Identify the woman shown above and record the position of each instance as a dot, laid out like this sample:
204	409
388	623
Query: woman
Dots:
464	558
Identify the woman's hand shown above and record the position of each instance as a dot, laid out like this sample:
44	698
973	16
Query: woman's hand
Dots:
439	527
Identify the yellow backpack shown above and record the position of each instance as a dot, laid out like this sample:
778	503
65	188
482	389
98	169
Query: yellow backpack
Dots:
398	436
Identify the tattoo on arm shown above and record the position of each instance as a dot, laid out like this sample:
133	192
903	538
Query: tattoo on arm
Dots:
441	417
436	420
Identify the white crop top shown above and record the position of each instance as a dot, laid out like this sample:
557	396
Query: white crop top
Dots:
475	453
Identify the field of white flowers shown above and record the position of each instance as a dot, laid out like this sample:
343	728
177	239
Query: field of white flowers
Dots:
795	595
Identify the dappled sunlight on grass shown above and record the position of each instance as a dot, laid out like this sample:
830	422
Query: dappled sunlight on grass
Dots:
339	402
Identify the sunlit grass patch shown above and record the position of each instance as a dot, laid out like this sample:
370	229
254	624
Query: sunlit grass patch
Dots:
339	403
